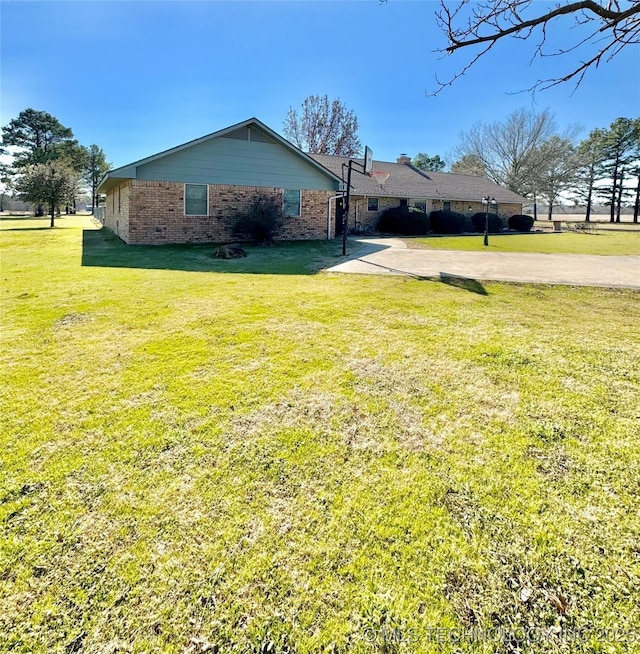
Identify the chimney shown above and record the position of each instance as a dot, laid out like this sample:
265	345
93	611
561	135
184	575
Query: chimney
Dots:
404	159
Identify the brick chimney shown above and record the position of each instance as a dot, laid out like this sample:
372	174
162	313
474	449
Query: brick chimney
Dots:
404	159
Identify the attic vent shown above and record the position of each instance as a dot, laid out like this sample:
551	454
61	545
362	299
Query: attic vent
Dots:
259	136
241	134
249	134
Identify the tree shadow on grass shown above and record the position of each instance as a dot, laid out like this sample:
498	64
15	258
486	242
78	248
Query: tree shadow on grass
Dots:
28	229
466	283
102	248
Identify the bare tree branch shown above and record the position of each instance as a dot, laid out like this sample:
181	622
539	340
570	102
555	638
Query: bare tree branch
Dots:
323	127
460	38
471	23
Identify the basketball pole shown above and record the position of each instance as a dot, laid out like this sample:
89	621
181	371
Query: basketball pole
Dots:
345	209
345	218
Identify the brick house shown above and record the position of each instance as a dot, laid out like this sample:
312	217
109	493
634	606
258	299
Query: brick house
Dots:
426	190
193	193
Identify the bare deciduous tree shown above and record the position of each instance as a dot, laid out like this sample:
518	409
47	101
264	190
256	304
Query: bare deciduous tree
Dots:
556	170
323	127
610	25
510	151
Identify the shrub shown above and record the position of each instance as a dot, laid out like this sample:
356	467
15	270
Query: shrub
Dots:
447	222
261	221
478	221
521	223
405	221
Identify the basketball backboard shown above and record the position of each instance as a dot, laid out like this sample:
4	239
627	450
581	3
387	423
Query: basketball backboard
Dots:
368	160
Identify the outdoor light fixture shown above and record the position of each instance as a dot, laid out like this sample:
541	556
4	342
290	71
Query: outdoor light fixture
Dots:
485	203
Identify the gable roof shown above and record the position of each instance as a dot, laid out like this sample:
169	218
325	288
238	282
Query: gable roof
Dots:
128	171
407	181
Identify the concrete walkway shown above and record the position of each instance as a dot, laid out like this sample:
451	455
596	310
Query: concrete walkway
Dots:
390	256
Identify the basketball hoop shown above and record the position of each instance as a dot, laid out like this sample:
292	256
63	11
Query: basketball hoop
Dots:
380	176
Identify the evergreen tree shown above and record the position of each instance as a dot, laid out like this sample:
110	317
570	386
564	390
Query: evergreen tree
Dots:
591	156
50	184
38	135
39	138
556	170
469	164
425	162
619	148
94	169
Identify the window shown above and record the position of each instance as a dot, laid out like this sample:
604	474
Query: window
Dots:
446	206
372	204
291	202
420	204
196	200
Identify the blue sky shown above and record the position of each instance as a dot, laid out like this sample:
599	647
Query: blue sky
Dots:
139	77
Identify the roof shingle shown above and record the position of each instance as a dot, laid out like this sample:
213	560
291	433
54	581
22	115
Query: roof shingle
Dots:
406	181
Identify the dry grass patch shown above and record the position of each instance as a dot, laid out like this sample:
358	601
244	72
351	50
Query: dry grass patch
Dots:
249	461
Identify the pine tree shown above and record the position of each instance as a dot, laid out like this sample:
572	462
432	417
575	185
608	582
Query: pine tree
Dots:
591	156
619	156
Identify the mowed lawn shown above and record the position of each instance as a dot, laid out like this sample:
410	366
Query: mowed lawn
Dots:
601	241
256	456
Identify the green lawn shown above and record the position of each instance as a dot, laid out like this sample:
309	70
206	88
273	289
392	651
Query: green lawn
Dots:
601	241
201	455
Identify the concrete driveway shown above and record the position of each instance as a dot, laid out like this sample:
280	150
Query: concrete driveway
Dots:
390	256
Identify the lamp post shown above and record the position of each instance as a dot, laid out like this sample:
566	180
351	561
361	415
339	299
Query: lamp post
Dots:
485	203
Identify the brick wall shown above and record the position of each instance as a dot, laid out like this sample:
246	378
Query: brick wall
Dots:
366	217
157	214
150	212
117	209
469	208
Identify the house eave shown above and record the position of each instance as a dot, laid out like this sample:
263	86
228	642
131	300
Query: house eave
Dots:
129	170
110	181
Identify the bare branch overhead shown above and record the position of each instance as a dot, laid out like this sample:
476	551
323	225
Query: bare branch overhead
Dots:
612	26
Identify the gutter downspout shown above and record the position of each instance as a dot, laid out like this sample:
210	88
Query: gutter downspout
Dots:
335	197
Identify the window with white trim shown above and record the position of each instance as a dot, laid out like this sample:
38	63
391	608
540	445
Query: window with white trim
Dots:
420	204
372	204
196	199
291	202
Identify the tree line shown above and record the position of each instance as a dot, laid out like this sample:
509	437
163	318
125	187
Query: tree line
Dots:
48	165
528	155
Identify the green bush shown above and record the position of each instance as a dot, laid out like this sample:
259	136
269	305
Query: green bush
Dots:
447	222
521	223
405	221
478	221
261	221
